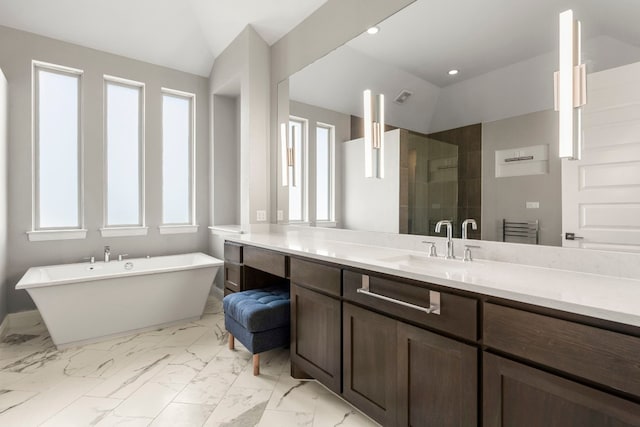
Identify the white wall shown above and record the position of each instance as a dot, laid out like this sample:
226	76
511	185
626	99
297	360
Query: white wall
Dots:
372	204
17	50
242	70
3	196
258	98
521	88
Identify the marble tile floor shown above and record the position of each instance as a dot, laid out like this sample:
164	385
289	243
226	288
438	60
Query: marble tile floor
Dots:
177	376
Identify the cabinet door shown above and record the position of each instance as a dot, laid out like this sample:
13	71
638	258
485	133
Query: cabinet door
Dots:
233	252
370	363
520	396
437	380
233	276
315	335
597	355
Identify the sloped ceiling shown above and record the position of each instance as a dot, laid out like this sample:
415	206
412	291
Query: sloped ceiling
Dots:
506	52
185	35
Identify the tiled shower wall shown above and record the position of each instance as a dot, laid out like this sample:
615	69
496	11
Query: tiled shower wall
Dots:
460	198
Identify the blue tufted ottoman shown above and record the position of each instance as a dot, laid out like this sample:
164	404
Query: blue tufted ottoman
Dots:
259	319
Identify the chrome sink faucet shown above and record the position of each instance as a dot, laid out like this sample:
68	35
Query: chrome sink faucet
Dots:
446	222
107	253
465	225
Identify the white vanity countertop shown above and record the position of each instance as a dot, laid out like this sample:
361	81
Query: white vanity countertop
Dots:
605	297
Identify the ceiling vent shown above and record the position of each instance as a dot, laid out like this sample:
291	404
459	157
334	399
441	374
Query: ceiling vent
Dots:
402	96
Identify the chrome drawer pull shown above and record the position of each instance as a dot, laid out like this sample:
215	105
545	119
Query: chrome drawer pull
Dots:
434	298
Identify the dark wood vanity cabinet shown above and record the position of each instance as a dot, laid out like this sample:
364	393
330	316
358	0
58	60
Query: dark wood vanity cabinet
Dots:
233	268
517	395
458	317
247	267
316	321
401	375
405	367
572	356
404	375
437	379
369	362
266	261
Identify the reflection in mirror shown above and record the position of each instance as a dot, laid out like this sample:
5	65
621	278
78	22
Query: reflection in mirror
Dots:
482	143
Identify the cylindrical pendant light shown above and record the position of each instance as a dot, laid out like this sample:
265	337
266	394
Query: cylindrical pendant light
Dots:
570	88
373	135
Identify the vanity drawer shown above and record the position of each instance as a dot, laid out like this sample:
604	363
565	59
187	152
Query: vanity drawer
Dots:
316	276
265	260
458	315
233	252
605	357
233	276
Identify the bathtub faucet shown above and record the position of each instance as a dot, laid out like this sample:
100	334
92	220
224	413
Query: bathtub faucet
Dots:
107	253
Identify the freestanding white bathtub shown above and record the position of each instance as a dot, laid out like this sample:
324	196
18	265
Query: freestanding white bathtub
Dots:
82	303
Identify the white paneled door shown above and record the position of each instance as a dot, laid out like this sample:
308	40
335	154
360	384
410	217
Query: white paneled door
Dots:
601	192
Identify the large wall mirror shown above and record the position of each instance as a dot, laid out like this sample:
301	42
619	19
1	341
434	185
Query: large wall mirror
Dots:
471	131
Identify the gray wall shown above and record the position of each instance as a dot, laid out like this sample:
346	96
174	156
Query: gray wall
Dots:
507	197
226	160
225	171
372	204
17	49
3	197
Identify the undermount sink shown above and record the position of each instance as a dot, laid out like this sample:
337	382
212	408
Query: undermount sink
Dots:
429	263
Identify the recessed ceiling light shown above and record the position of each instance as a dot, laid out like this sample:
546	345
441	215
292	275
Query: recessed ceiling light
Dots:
453	72
373	30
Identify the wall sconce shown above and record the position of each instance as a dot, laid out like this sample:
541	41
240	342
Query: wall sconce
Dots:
373	135
570	84
287	159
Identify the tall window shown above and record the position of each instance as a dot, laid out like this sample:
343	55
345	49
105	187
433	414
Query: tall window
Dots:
124	127
298	188
177	157
57	147
324	172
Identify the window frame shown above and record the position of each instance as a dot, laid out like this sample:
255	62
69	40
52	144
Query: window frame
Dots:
190	226
332	174
110	230
37	232
304	175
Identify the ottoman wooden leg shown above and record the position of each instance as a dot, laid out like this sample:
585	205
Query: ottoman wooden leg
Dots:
256	364
232	343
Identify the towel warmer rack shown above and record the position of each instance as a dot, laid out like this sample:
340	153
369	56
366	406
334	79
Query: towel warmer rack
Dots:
522	231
